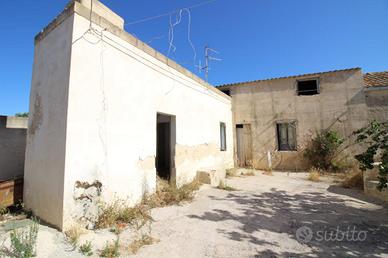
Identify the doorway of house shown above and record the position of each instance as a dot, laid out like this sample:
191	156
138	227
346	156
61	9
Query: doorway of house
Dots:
165	146
244	145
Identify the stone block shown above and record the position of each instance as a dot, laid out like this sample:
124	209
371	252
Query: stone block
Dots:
212	177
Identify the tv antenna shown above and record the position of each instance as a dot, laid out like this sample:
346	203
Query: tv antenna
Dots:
208	58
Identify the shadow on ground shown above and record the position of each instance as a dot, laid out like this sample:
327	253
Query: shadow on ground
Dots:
280	212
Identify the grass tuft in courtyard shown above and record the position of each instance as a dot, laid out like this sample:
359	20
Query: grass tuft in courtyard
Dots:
142	241
314	175
224	186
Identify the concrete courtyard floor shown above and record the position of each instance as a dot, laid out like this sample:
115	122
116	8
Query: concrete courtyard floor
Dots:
259	220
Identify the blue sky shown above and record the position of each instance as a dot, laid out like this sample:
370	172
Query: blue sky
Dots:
256	39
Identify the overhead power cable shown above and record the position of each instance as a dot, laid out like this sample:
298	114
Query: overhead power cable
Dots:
168	13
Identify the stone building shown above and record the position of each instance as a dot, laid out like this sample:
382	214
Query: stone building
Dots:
277	117
108	114
376	94
13	134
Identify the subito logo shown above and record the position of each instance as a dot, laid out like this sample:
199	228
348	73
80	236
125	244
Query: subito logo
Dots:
304	234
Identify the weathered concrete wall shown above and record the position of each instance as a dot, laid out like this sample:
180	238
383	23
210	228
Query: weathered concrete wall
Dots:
46	140
109	101
13	133
340	106
377	103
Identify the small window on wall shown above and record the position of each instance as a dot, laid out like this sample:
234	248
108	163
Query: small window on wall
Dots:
286	133
308	87
222	136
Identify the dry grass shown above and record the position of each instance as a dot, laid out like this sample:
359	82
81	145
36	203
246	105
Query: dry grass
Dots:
167	194
73	234
231	172
249	173
354	180
110	249
314	175
139	243
224	186
268	172
118	214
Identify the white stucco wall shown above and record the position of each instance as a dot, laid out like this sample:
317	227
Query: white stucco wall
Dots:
45	150
115	91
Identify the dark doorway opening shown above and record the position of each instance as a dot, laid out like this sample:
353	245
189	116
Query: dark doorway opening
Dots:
165	146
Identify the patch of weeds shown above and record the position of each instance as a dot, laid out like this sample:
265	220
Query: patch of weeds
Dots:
354	180
224	186
23	242
110	249
86	249
73	235
119	212
167	194
314	175
118	228
249	173
3	211
139	243
231	172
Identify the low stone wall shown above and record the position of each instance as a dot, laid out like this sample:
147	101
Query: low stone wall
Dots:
13	132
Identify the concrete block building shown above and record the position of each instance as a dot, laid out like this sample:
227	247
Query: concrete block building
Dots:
108	114
13	134
277	117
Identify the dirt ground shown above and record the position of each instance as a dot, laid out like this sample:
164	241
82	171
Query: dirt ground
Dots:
261	219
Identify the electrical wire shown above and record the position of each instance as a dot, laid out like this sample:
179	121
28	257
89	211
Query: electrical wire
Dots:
168	13
171	33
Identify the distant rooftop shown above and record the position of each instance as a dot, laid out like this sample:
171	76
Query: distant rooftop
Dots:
377	79
292	76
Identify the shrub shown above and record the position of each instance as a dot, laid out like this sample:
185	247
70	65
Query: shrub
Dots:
314	175
354	180
322	149
375	136
24	114
86	249
110	249
23	241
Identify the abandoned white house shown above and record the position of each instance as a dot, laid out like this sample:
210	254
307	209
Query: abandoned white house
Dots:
108	113
280	115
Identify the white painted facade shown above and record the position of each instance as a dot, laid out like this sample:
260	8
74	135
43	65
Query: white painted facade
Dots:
95	97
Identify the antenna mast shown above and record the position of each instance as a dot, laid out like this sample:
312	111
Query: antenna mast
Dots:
209	58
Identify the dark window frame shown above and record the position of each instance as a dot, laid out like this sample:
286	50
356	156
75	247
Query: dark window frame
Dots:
223	145
308	92
290	126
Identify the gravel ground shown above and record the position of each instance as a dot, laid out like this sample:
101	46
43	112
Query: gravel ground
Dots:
259	220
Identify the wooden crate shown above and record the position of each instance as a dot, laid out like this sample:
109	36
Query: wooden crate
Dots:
11	192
